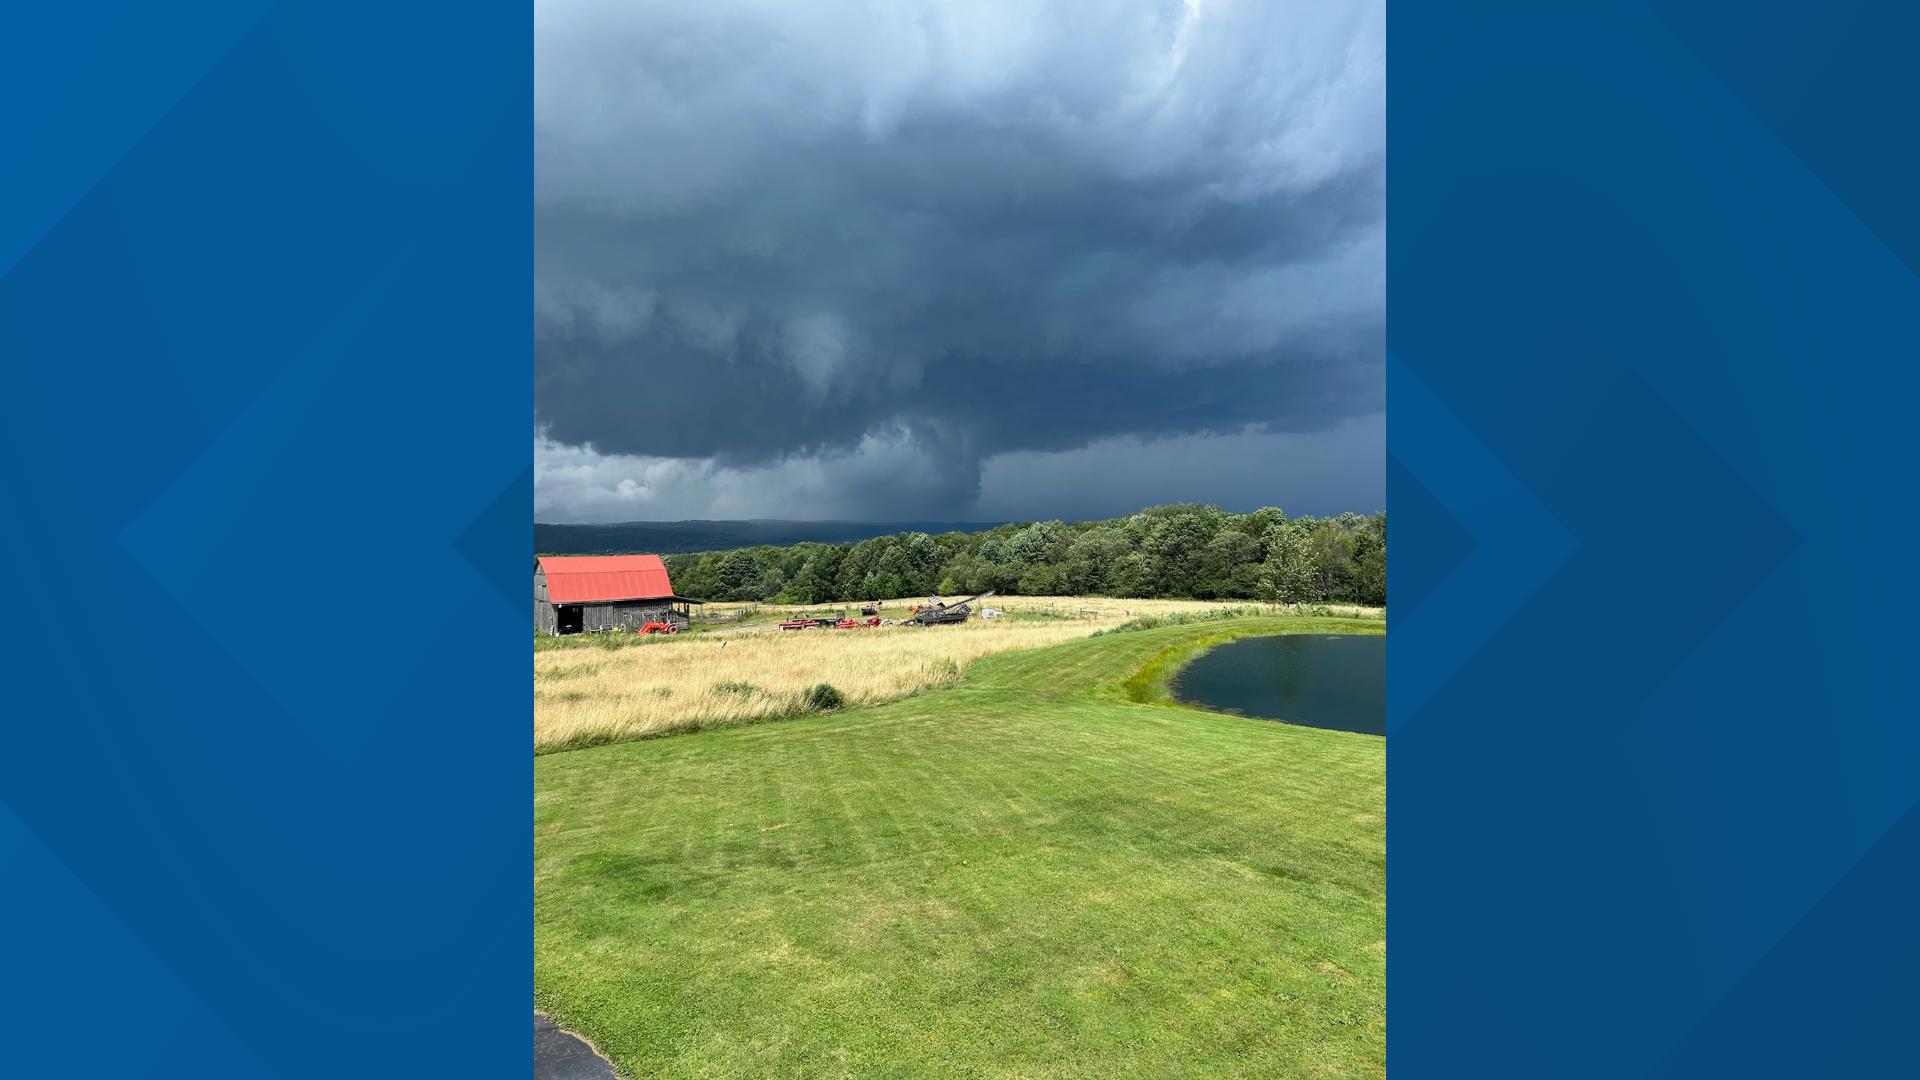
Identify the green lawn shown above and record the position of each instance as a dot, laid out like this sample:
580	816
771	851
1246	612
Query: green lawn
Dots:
1024	875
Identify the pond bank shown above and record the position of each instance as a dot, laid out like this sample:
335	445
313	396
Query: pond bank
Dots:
1152	683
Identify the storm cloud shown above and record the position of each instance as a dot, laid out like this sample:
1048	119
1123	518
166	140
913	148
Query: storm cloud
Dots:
847	259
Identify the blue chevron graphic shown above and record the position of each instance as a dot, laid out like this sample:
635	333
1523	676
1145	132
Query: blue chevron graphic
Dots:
1659	818
507	521
1861	53
44	890
262	284
1518	545
1836	1030
1445	543
100	76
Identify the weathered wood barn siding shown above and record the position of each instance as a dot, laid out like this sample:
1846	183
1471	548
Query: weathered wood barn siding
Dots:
544	618
630	615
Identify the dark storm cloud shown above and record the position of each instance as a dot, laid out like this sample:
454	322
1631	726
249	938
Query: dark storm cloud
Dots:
928	235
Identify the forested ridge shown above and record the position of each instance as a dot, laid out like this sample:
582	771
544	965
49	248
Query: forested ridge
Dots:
672	537
1187	550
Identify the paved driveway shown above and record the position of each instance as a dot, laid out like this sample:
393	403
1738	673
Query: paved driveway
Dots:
562	1055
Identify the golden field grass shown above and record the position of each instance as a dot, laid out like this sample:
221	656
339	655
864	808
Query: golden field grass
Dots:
745	670
1104	610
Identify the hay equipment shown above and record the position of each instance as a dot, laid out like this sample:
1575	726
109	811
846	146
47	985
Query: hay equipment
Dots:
939	614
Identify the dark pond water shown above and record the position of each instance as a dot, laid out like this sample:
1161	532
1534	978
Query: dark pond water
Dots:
1334	681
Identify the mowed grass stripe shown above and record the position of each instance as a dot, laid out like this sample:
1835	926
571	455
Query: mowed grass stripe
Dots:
1025	874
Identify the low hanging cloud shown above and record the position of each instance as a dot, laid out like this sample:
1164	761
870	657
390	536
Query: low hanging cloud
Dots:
573	484
837	259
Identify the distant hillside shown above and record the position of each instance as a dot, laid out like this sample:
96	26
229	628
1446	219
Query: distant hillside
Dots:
675	537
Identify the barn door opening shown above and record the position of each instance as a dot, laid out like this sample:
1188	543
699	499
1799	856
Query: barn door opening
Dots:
568	619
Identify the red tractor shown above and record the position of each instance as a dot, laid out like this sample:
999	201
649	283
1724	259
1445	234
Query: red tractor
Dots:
659	628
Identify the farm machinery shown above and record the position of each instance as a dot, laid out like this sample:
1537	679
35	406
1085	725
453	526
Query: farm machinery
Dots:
937	613
934	612
809	622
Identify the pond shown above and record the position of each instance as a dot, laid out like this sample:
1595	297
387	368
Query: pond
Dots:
1336	681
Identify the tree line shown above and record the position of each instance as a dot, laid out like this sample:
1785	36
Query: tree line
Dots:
1186	551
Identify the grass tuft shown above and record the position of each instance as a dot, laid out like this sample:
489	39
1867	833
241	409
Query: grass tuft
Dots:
822	697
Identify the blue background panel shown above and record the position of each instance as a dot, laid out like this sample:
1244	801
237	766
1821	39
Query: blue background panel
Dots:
1654	761
263	306
1653	751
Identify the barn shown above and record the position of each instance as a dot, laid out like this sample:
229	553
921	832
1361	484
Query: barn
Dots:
575	593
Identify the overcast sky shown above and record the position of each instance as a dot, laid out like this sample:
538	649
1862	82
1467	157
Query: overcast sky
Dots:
964	260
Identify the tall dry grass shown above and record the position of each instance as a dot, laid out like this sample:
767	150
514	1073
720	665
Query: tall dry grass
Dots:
745	670
582	697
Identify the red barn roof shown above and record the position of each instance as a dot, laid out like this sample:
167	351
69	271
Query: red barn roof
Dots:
592	579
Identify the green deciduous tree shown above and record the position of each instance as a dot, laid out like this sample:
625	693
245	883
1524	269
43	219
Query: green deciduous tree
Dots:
1184	550
1287	575
1330	547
